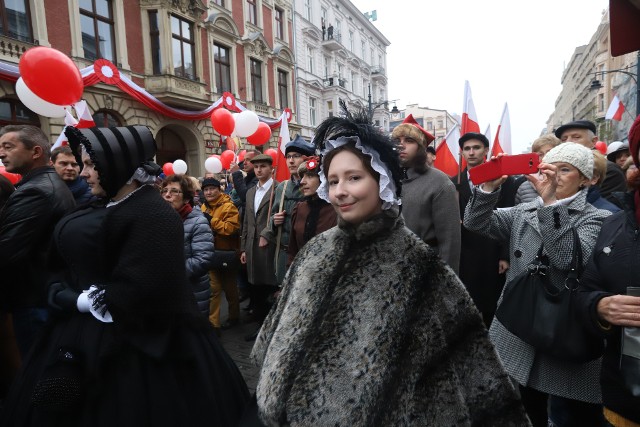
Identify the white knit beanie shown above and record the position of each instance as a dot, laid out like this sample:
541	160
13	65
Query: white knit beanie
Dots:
575	154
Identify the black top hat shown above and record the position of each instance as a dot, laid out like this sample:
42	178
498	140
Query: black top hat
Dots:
116	152
473	135
300	145
578	124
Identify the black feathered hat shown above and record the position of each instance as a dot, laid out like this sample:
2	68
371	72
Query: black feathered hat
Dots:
116	152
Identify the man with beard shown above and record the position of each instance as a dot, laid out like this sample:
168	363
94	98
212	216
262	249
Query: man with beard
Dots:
429	205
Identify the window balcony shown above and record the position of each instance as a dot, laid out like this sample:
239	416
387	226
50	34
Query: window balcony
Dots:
12	49
170	88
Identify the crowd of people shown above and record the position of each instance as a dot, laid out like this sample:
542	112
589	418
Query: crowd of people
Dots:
376	282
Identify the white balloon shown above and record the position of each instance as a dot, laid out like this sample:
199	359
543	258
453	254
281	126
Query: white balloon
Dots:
179	167
213	165
37	104
246	123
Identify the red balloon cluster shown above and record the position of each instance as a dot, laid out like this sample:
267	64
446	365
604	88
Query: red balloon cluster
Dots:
224	123
601	146
12	177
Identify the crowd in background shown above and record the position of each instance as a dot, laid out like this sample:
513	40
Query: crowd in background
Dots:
367	268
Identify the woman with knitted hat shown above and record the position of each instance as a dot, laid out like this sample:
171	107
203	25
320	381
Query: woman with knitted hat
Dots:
573	389
372	328
126	345
610	301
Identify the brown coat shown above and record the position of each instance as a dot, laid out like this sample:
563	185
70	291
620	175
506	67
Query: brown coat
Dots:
260	267
325	220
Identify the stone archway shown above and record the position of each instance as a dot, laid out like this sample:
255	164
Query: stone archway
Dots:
176	141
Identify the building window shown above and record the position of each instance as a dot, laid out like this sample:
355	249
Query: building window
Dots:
312	111
183	47
279	23
362	49
106	119
310	59
600	102
12	112
283	96
326	66
323	14
440	124
353	83
15	21
154	35
371	59
351	41
429	125
336	30
219	2
222	60
307	9
96	22
253	11
256	80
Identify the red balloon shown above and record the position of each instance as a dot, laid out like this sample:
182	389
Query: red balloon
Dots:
14	178
273	153
226	158
51	75
241	155
602	147
261	135
167	168
223	121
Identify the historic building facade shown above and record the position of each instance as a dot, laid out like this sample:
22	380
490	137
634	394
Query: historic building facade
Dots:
186	53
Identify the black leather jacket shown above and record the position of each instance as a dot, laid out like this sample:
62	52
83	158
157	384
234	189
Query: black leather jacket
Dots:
26	225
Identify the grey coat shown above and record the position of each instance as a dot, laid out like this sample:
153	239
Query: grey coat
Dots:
373	329
430	209
260	267
198	254
526	226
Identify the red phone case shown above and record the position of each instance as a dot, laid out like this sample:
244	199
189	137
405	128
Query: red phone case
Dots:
506	165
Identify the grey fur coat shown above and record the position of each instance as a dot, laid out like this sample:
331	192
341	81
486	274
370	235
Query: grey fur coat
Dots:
373	329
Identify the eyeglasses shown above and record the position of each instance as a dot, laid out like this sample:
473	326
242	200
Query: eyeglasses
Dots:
173	191
293	156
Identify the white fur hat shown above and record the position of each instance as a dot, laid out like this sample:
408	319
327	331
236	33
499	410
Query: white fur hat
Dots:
575	154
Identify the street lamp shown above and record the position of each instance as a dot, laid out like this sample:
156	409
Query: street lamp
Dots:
595	84
372	106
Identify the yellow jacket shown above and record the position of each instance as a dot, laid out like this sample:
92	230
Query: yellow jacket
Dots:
225	222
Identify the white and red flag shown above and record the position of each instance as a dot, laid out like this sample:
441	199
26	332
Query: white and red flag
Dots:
85	120
616	109
282	171
502	143
448	152
469	117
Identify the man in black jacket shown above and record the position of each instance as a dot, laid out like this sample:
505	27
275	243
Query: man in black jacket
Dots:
26	226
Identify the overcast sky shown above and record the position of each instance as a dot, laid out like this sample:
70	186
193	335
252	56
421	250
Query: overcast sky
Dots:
509	51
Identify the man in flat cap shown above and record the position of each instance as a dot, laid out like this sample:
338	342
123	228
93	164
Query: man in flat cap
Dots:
287	195
483	261
584	133
259	259
429	204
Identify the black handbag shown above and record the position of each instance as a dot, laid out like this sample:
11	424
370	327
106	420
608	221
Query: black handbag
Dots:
225	260
630	353
546	317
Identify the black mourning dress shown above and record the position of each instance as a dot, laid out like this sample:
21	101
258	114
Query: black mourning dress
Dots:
158	363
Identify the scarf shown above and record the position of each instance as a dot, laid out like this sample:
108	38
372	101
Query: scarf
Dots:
185	211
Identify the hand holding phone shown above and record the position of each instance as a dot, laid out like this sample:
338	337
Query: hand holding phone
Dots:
519	164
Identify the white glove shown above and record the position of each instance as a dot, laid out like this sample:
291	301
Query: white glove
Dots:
85	305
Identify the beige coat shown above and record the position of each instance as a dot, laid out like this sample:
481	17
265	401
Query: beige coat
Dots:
260	268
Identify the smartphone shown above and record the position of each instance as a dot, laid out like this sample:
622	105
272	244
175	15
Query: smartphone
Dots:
518	164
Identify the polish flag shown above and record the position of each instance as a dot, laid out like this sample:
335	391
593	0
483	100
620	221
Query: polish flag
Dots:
85	120
62	140
469	118
616	109
502	143
282	171
448	153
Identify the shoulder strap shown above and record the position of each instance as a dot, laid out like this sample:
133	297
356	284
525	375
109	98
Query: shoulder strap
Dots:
575	268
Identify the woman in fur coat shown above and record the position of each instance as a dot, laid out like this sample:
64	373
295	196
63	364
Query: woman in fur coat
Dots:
371	327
